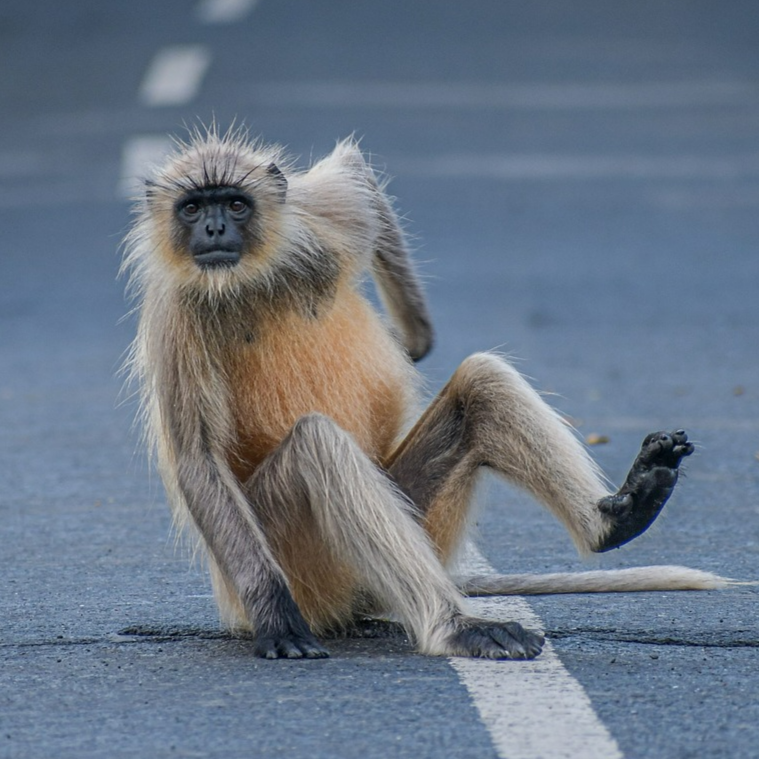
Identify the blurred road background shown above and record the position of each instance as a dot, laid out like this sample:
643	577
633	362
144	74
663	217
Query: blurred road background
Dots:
582	184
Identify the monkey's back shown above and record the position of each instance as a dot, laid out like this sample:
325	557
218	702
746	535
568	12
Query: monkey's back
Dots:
343	364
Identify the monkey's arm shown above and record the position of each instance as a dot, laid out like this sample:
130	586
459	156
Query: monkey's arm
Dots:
393	270
343	190
239	547
399	284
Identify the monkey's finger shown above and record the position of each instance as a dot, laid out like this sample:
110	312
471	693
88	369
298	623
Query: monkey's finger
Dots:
295	647
314	651
285	648
311	647
289	650
302	648
266	648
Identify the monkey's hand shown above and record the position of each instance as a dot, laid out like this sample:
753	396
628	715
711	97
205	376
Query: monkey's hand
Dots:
649	484
284	641
493	640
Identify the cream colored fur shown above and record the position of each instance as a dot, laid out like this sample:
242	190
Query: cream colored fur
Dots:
275	398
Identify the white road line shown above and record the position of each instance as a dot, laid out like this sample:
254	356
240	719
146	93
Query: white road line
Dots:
223	11
517	167
533	710
174	75
569	96
138	156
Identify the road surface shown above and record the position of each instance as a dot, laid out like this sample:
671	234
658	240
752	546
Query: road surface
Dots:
582	184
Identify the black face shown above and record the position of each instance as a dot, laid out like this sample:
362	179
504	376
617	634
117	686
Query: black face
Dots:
215	221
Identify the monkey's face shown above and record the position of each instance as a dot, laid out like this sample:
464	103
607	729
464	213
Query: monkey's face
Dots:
215	225
213	214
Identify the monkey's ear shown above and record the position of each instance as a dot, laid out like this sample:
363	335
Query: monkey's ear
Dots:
280	179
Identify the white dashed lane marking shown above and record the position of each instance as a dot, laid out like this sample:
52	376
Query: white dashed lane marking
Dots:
174	75
138	156
223	11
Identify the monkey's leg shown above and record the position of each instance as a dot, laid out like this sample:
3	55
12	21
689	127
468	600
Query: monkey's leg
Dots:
319	470
488	415
243	557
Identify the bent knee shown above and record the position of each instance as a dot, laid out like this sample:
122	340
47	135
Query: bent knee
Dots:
479	373
319	437
313	422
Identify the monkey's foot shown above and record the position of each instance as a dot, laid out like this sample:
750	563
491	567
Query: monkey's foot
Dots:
649	484
493	640
289	645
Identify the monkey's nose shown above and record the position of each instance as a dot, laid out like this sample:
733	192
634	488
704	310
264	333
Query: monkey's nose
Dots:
215	228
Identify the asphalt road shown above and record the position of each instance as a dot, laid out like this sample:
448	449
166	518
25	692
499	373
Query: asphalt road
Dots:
582	182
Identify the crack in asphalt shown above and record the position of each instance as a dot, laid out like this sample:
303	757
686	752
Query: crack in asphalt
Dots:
733	639
382	629
372	628
129	635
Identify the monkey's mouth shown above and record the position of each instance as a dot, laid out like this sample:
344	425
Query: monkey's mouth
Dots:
214	259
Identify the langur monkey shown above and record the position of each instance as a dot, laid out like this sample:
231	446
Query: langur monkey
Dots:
277	400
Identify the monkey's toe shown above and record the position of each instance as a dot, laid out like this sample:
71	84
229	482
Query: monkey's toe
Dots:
665	449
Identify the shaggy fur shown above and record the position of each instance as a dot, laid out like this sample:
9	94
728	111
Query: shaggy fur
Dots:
276	399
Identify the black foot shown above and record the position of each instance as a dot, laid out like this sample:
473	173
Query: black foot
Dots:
289	645
649	484
494	640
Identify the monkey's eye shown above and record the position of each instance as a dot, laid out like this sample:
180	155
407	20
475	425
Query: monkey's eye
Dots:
190	210
238	206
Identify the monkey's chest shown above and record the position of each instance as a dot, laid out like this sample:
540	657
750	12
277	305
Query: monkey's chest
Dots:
344	366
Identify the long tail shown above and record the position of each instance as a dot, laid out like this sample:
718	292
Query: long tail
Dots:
598	581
